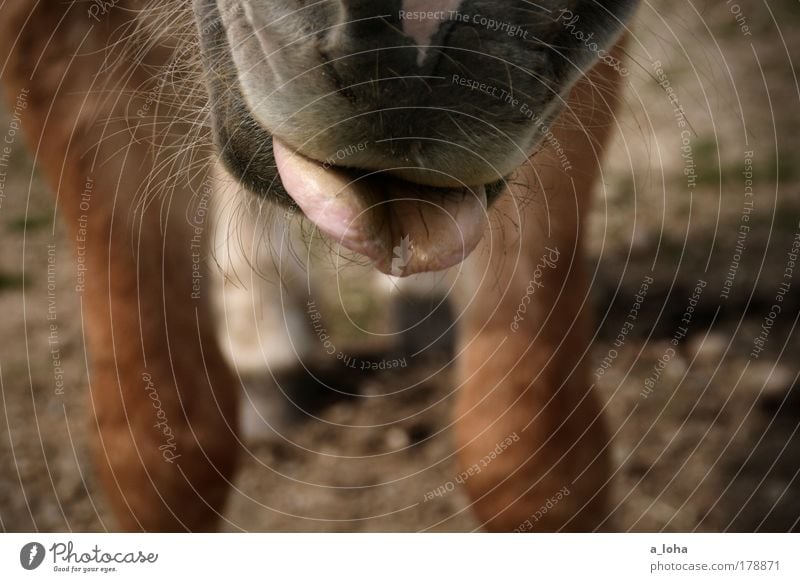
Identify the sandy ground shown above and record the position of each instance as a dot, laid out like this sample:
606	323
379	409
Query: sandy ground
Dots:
712	446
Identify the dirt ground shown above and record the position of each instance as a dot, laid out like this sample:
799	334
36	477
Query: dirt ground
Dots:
711	446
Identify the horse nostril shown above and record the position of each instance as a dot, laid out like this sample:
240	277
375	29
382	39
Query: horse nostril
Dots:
367	54
402	30
367	17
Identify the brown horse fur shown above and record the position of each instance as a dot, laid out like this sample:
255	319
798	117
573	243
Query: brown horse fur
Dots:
151	336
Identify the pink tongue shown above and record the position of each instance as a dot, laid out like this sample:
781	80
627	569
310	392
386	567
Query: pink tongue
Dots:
403	228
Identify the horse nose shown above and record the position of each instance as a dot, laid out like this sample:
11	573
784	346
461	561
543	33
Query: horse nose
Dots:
421	19
387	58
393	24
418	19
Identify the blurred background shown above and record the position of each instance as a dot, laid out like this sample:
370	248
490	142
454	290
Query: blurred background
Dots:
705	436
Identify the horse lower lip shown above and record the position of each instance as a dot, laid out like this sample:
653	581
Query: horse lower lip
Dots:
402	228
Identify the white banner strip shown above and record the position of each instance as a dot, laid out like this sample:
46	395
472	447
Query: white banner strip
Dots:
400	557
